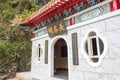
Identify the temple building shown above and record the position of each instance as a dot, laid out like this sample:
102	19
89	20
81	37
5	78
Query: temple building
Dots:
75	40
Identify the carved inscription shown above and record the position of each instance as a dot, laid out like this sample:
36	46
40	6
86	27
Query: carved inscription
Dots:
75	49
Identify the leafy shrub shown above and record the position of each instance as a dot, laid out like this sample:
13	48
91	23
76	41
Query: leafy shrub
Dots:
9	53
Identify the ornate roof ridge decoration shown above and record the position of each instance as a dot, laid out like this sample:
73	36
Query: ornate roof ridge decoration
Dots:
54	11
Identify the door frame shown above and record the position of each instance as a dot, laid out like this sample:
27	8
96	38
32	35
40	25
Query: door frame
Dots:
51	54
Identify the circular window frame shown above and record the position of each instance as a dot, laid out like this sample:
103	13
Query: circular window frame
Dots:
92	63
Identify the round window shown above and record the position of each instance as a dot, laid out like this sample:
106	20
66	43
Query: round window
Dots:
94	47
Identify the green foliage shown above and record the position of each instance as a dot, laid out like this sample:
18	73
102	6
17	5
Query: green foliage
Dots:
15	43
15	47
9	8
9	53
41	2
26	13
7	12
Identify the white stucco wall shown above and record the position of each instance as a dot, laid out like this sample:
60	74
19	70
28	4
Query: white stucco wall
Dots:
109	69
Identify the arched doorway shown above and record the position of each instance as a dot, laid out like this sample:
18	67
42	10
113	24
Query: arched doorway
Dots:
60	62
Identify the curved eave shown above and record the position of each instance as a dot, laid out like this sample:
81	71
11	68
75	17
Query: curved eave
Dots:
39	15
58	8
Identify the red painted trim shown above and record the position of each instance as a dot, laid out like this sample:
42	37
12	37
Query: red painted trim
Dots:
53	10
118	3
115	5
43	13
72	21
57	9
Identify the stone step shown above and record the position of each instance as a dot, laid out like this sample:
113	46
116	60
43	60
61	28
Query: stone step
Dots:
30	76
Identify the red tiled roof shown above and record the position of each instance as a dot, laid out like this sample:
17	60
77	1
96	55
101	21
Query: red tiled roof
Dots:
53	4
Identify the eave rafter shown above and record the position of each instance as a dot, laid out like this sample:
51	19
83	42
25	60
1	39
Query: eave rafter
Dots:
55	10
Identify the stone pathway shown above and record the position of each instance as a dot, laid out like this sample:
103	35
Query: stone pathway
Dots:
60	75
13	79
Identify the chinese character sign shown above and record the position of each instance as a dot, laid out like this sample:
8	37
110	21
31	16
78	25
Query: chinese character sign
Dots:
57	28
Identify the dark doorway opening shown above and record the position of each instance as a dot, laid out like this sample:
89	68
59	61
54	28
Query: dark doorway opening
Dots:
61	59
